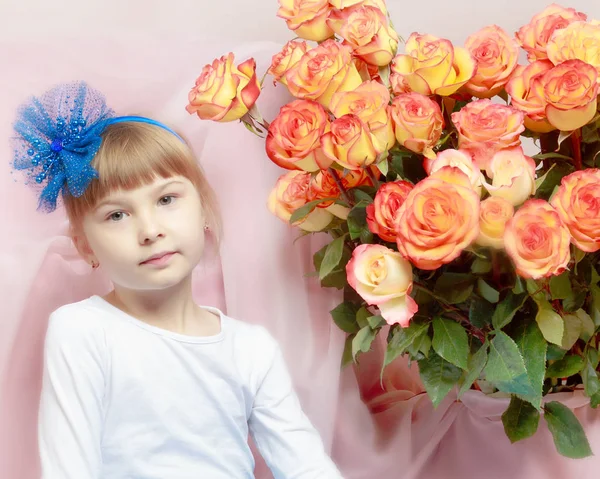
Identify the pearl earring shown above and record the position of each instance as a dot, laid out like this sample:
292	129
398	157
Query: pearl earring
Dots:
206	227
95	264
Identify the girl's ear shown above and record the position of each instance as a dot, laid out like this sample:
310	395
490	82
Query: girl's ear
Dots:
83	247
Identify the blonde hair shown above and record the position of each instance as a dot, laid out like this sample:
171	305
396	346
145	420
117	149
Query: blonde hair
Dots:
134	154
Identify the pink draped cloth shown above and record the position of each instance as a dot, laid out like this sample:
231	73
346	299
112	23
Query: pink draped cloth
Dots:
387	430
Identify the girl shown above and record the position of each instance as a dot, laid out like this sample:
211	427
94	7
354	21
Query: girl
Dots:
143	383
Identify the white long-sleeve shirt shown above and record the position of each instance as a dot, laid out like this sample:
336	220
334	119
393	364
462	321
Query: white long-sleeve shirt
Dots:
122	399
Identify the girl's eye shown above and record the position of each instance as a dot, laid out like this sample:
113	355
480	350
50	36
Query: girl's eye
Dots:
116	216
166	200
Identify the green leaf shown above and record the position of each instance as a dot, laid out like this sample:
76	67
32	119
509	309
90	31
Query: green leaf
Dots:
408	167
401	339
560	286
454	288
575	301
520	420
572	330
362	196
533	347
344	316
383	166
589	377
506	368
544	156
362	317
507	308
587	325
362	341
333	256
347	354
474	367
569	436
551	324
376	321
563	368
450	341
555	352
438	376
481	266
480	312
487	292
553	179
520	286
590	133
357	221
595	400
305	210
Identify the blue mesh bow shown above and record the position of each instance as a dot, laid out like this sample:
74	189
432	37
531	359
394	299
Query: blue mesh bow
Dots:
58	135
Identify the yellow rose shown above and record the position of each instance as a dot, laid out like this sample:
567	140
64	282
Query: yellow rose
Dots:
570	92
306	18
493	216
456	159
527	94
341	4
577	41
496	54
286	59
294	137
224	92
418	122
431	65
513	176
350	143
367	31
485	127
382	277
438	219
577	202
537	240
534	36
323	71
292	191
369	102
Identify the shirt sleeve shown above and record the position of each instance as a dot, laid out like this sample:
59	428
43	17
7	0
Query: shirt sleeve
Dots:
71	411
285	437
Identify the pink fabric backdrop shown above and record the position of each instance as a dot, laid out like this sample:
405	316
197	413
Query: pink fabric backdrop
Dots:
372	430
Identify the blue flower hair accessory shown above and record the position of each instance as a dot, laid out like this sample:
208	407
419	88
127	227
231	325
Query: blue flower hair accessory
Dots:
58	135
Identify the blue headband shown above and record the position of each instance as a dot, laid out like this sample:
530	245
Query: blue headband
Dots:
58	135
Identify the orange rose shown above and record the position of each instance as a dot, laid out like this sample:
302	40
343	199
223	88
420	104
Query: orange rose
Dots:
306	18
496	54
381	214
513	176
456	159
485	127
493	216
367	30
537	240
323	184
534	36
577	41
292	191
570	92
350	143
431	65
577	202
438	219
418	122
323	71
224	92
370	103
286	59
294	137
527	94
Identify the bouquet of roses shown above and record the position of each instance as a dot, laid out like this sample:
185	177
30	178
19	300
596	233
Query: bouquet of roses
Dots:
481	260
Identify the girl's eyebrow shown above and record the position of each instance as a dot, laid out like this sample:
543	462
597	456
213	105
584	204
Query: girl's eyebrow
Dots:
116	201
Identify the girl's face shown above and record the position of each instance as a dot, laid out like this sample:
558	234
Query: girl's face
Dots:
149	238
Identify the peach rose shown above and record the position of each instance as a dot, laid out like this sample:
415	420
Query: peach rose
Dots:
496	55
291	192
381	214
534	36
418	122
370	103
224	92
456	159
438	219
527	94
493	216
294	137
577	41
513	176
570	92
537	240
323	71
431	65
382	277
286	59
306	18
323	184
485	127
577	202
341	4
350	143
367	30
